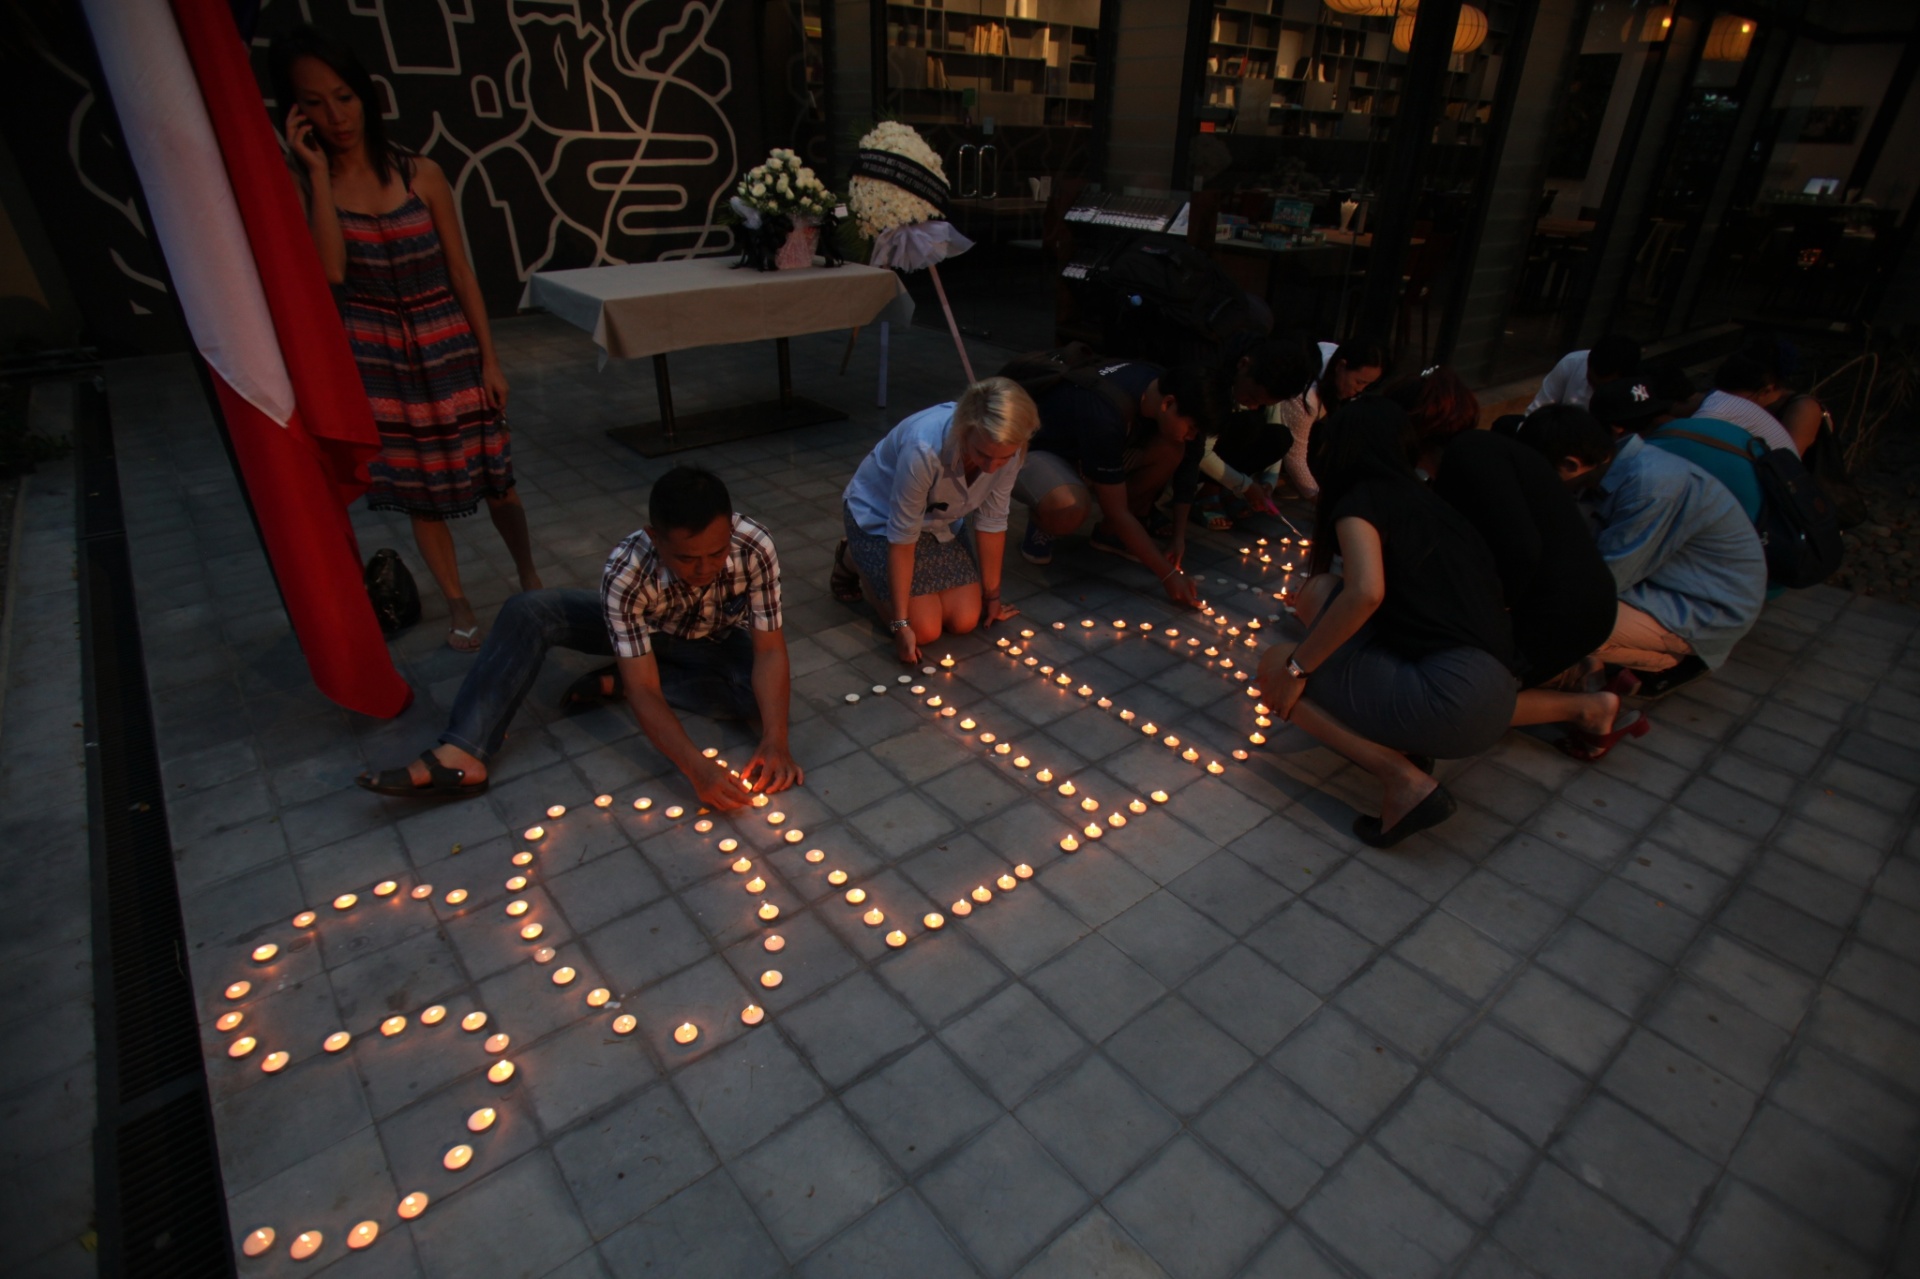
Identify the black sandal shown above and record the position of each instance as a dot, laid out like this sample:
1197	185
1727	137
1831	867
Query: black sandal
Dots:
845	582
585	693
442	782
1431	811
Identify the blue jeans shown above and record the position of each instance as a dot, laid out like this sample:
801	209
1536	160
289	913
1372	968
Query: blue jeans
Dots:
711	677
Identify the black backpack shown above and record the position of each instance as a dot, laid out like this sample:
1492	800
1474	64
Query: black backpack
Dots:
1799	529
1170	302
1075	364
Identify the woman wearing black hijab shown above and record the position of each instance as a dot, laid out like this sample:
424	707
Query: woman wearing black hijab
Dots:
1407	651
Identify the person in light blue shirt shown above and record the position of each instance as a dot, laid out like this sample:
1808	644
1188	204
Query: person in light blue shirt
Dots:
942	472
1688	564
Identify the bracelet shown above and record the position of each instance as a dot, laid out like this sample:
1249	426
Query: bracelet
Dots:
899	624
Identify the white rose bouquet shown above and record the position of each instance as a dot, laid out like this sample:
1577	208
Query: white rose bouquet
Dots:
876	195
786	186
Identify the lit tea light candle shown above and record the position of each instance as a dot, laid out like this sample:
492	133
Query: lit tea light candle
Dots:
756	885
1246	550
242	1046
556	811
711	752
1137	806
676	811
432	1016
1028	633
1261	721
986	738
771	978
304	919
500	1072
1190	755
1002	642
412	1206
774	943
1215	767
261	954
1006	883
1119	625
385	888
1253	624
947	662
1087	622
1233	630
1059	626
455	897
1239	752
982	894
1226	663
473	1021
816	855
728	844
704	825
258	1241
1092	830
1116	820
624	1024
918	689
963	907
776	818
1126	716
563	975
1193	641
874	917
896	939
1084	691
1030	660
968	724
517	907
544	955
742	866
393	1026
531	932
457	1158
1001	748
363	1234
1015	651
1090	804
948	712
753	1014
338	1040
517	883
228	1021
274	1062
603	801
856	895
935	700
345	901
934	919
1068	843
534	834
1020	761
1044	776
1211	651
481	1119
642	804
836	877
305	1244
1105	703
1258	739
1158	797
498	1043
238	990
795	836
769	911
1023	870
1146	628
1171	741
1172	633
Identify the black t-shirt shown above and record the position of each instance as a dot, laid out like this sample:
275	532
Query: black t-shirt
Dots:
1561	592
1442	588
1085	428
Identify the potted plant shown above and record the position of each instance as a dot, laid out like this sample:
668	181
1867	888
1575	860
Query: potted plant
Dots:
783	190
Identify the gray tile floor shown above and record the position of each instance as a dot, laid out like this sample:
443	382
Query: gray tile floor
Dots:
1655	1016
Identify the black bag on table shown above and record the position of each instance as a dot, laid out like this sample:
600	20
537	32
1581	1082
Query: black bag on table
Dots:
1798	527
391	591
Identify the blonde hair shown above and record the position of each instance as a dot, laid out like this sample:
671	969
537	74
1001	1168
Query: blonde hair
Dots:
1000	409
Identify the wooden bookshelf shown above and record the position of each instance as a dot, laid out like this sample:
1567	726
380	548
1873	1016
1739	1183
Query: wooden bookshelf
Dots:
1016	62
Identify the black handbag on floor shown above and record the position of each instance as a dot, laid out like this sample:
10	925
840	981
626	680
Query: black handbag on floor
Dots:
391	590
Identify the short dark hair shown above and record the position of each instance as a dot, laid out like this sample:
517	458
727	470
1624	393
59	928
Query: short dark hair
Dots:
1566	430
1284	366
687	499
1371	438
1615	355
1193	394
1360	353
1743	372
306	41
1437	402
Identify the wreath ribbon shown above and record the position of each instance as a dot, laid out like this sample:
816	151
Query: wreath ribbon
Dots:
915	179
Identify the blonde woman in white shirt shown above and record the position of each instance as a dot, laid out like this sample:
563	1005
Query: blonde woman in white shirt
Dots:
941	472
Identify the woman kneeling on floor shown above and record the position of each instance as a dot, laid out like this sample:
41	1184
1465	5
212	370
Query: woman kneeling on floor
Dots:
1407	650
909	503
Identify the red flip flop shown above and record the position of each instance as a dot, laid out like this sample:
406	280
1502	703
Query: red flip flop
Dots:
1591	747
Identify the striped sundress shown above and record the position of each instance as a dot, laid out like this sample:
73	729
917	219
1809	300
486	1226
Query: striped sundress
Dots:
443	448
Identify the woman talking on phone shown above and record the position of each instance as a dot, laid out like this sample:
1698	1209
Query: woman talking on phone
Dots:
389	239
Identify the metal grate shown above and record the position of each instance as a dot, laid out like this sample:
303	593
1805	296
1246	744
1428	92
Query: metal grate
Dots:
162	1208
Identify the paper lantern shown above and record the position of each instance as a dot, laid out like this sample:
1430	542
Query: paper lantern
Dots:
1469	34
1729	39
1658	24
1370	8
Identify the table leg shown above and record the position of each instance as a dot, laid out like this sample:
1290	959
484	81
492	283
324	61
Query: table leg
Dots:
664	387
848	357
886	331
786	372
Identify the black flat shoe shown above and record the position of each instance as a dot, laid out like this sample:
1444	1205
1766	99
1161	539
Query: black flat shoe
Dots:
442	782
1431	811
586	692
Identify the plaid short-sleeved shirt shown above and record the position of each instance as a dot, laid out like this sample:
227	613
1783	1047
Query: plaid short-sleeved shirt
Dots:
641	596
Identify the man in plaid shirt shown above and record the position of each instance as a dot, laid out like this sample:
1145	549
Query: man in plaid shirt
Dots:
689	607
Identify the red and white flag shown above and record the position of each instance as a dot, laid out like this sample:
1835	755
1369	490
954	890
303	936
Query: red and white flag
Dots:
228	219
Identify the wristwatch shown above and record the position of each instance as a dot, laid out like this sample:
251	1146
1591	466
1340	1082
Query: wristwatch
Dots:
899	624
1295	669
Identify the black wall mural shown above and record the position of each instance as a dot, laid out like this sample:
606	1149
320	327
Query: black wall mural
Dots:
575	133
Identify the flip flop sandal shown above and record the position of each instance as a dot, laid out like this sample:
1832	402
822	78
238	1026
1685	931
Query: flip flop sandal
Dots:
1593	747
1431	811
845	582
586	693
467	643
442	782
1214	513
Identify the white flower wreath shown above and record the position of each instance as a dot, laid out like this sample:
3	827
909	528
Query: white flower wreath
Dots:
879	206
